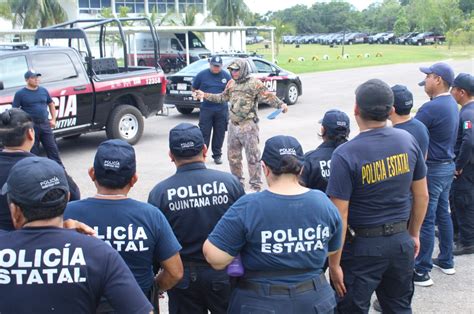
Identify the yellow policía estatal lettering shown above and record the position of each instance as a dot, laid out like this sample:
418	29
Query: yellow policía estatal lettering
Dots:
398	165
374	172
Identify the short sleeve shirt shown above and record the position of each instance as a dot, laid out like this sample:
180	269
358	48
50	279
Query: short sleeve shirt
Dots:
137	230
419	132
280	232
33	102
44	270
317	166
212	83
193	200
374	172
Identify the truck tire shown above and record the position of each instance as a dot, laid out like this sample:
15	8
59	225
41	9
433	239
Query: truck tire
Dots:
142	63
125	123
184	110
291	95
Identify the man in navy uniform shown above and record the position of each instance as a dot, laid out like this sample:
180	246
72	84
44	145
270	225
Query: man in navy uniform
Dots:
193	200
137	230
372	179
440	115
213	116
45	268
401	119
35	100
335	128
463	184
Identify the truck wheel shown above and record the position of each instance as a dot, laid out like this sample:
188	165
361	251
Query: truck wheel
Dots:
142	63
291	96
420	43
184	110
125	123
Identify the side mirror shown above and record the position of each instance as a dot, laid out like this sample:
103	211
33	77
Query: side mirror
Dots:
276	72
1	85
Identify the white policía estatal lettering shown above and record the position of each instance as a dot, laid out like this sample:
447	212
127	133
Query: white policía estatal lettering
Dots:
39	266
197	196
112	164
325	166
129	238
294	240
288	151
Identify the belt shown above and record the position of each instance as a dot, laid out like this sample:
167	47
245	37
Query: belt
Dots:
383	230
195	264
301	287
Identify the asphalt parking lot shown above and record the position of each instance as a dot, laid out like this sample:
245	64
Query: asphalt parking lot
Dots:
322	91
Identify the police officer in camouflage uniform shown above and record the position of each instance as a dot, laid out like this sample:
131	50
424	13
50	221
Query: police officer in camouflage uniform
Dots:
244	93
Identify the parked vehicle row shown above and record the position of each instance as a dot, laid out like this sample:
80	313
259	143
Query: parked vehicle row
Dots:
349	38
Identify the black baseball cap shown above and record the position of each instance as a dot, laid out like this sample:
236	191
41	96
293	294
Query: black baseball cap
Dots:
465	81
335	122
403	98
186	140
374	97
277	147
115	162
31	178
31	73
441	69
216	60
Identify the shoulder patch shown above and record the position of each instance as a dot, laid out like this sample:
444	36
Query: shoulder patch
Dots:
467	125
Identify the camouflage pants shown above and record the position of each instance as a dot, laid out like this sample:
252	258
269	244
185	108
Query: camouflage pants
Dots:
245	135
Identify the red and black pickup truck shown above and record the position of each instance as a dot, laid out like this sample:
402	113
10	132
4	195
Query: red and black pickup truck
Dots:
91	94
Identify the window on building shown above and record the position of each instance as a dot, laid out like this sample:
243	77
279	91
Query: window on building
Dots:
135	6
185	4
161	6
85	6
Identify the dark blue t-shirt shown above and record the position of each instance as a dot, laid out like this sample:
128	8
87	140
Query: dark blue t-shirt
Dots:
193	200
280	232
138	231
47	269
464	149
419	132
33	102
374	172
212	83
7	161
440	116
317	166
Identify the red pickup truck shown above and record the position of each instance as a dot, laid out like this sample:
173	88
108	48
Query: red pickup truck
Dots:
91	94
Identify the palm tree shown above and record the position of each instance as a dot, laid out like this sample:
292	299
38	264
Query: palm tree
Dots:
228	12
36	13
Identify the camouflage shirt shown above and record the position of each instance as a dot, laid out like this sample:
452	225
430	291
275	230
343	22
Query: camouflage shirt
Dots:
244	95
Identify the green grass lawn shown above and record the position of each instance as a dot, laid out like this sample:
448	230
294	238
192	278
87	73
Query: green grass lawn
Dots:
388	54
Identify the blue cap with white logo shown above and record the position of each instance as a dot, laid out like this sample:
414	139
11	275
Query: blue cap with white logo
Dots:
186	140
31	73
216	60
115	163
32	178
278	147
336	122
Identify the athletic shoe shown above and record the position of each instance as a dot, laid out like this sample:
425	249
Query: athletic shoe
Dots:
218	160
377	307
462	249
446	270
422	280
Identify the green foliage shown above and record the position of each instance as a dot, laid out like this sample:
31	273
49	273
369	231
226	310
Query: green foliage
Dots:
462	36
36	13
401	25
228	12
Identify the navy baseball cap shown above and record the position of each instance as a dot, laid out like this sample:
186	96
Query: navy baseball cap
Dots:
30	74
441	69
403	98
186	140
374	96
216	60
465	81
335	121
31	178
277	147
115	162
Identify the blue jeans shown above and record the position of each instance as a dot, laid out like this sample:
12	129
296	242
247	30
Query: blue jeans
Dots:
440	176
215	121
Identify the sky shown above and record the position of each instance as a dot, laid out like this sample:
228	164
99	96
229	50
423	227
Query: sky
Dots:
261	6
